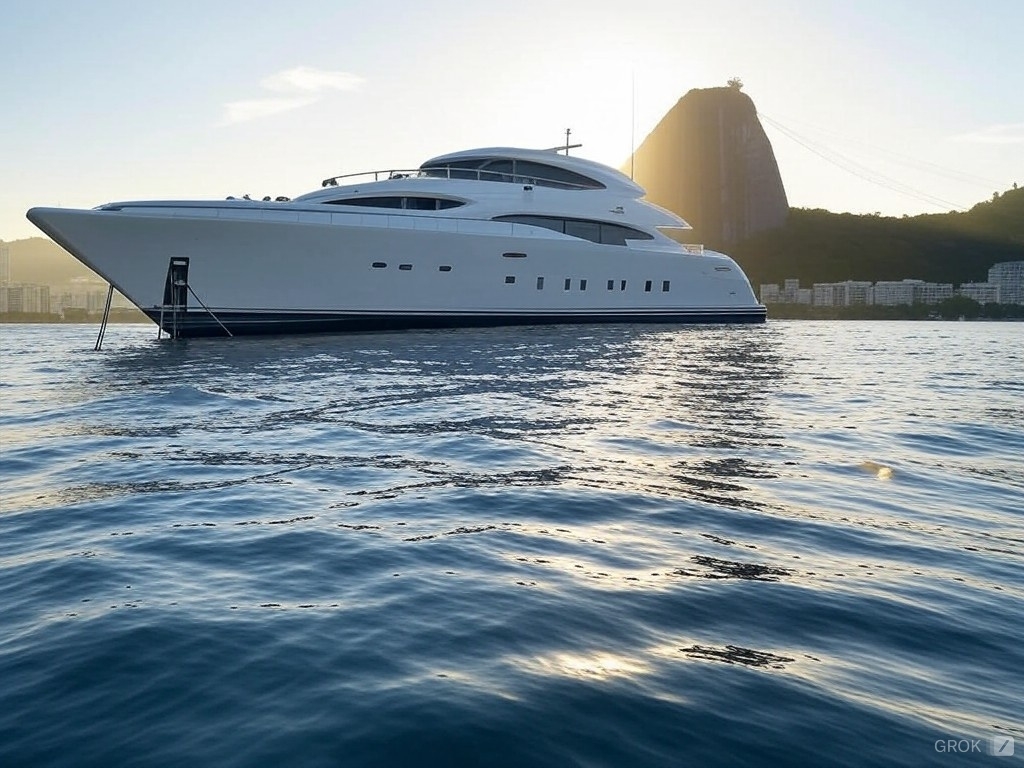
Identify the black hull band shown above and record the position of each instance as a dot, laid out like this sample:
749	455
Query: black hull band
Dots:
196	323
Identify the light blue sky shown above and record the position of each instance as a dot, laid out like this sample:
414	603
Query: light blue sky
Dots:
107	100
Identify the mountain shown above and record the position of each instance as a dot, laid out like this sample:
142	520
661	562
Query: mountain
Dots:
709	161
40	260
819	246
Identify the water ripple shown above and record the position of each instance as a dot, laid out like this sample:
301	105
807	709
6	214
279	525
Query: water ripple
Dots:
623	545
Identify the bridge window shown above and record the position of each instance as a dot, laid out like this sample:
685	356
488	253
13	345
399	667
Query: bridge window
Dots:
513	171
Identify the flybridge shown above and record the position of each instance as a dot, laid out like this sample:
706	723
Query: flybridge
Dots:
529	167
508	170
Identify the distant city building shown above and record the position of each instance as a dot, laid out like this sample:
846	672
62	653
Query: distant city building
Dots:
789	291
1009	276
932	293
825	295
5	264
90	300
861	292
892	293
25	299
983	293
769	293
842	294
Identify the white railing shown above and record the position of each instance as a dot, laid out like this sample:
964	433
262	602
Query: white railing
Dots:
454	172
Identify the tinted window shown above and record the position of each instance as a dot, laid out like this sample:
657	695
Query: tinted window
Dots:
518	171
616	234
370	202
497	170
410	203
529	172
585	230
594	231
460	169
421	203
558	225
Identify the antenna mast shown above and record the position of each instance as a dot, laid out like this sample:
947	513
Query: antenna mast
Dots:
567	132
632	124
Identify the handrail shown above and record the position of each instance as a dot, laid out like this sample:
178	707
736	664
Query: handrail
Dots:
477	174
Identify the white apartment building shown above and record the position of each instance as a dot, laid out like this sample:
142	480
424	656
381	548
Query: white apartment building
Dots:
842	294
791	293
932	293
891	293
790	287
5	264
27	299
886	293
827	295
983	293
1009	276
769	293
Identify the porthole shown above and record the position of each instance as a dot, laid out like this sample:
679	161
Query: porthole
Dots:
647	287
444	268
568	284
509	279
583	285
622	285
611	285
540	283
664	286
405	267
378	265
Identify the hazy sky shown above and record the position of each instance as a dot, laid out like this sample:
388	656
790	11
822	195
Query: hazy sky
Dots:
106	100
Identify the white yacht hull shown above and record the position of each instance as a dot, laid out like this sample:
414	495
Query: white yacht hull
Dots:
281	269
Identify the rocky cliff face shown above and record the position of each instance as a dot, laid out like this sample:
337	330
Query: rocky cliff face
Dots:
709	161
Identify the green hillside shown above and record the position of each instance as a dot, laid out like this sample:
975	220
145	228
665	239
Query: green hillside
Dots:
40	260
819	246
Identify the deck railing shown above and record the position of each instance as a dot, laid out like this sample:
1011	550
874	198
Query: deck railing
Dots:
452	172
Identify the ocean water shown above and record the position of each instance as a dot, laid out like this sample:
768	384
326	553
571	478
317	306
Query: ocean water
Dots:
792	544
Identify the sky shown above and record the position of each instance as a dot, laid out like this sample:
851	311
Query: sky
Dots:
897	107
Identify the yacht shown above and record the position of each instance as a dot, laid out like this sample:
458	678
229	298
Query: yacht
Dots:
482	237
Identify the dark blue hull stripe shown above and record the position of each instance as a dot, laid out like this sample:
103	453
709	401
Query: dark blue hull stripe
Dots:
199	323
